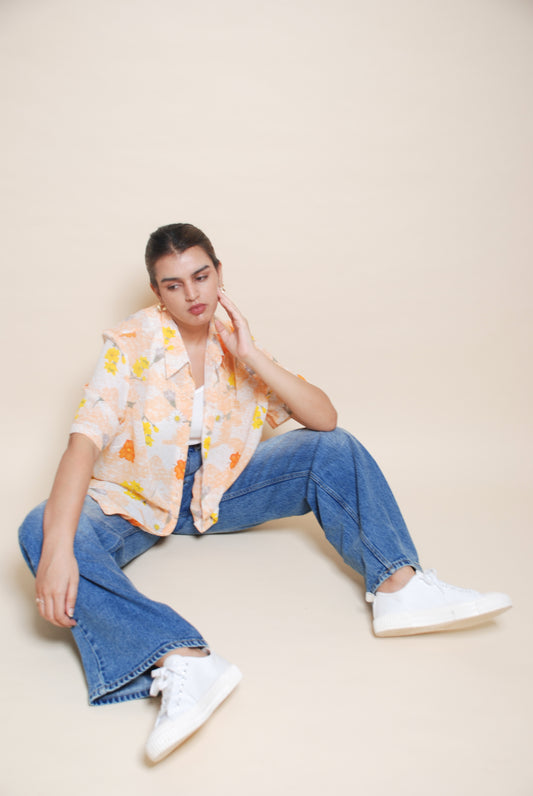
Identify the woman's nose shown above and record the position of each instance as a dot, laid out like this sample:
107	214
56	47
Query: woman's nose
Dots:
190	293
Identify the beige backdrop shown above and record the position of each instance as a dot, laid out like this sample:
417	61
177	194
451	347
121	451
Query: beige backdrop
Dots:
365	172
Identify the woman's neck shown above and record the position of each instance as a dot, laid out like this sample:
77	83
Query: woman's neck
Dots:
195	344
194	338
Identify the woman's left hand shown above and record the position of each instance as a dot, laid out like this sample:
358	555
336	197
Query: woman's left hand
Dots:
308	404
239	342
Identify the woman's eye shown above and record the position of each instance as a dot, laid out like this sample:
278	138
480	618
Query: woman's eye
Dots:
201	278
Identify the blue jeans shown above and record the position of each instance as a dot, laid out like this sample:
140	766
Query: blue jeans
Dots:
121	633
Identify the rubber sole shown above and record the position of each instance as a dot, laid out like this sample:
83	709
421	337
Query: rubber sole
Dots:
453	618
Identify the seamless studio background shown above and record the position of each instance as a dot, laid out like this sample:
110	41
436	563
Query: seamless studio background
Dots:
365	172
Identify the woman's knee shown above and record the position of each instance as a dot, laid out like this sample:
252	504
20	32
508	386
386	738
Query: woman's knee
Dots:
338	452
31	536
337	440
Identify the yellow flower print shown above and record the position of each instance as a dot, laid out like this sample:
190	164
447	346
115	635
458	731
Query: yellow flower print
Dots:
207	445
257	420
214	517
133	489
231	379
111	359
147	428
168	334
139	366
82	404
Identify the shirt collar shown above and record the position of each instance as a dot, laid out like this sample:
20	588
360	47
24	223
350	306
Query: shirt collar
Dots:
175	352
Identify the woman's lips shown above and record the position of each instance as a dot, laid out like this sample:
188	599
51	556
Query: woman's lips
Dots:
197	309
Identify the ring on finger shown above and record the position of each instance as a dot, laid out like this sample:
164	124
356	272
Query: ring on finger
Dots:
39	600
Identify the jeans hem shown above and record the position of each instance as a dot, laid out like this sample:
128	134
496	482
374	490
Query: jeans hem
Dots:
143	693
391	569
107	690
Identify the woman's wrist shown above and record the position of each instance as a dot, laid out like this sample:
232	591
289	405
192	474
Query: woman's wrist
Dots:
254	359
58	540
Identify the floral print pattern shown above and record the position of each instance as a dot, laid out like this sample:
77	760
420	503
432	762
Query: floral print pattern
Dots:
127	451
179	469
111	359
137	410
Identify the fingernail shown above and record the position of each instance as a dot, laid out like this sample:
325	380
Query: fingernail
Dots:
70	612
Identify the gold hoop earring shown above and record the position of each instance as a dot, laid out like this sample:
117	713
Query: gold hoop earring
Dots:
161	307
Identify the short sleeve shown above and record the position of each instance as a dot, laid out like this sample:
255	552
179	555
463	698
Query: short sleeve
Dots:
101	410
277	412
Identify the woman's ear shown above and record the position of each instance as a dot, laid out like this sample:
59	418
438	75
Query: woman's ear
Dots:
156	290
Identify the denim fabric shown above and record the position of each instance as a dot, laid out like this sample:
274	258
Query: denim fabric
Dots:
121	633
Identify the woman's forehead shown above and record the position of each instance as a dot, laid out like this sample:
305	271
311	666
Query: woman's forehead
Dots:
181	265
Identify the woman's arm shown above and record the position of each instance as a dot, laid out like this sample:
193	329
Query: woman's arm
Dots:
57	576
309	405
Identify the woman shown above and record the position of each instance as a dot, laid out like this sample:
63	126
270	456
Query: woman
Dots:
167	441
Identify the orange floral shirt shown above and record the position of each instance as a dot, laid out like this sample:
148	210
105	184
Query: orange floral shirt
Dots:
137	410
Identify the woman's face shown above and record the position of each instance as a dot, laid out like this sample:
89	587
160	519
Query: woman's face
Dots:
187	285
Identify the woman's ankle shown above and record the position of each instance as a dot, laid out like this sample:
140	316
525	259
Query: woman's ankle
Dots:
397	580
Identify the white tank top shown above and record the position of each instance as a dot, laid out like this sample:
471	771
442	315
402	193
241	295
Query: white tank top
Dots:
197	417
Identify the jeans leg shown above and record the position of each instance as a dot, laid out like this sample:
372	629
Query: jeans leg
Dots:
120	633
331	474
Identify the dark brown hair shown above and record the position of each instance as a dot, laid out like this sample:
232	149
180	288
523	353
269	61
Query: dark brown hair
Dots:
175	239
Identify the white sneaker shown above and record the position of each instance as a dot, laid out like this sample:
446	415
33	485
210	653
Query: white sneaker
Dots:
426	604
191	688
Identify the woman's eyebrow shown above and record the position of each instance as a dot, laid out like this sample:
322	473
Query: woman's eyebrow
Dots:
179	279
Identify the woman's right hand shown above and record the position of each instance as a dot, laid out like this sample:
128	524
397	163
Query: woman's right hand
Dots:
56	582
56	586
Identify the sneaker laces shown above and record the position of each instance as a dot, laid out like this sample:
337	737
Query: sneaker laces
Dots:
429	576
169	683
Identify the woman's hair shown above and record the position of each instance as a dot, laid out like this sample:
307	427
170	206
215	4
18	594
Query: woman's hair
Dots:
175	239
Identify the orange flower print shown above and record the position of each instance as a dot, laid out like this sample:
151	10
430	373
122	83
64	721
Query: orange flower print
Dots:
234	458
127	451
179	469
